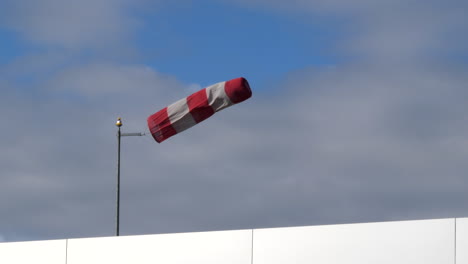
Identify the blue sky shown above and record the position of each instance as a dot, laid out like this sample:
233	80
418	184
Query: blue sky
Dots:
205	42
358	114
12	47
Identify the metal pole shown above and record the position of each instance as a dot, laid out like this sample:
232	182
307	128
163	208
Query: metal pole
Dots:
118	124
119	135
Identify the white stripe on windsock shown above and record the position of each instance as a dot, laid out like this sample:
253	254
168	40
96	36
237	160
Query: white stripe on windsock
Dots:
217	97
179	115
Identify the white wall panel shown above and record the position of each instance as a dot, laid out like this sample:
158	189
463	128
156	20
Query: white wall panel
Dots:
36	252
462	240
227	247
409	242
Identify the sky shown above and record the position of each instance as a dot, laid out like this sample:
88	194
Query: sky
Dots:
358	114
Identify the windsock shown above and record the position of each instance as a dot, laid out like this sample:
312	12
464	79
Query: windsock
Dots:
197	107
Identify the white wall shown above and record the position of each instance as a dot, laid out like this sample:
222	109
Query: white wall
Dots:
227	247
462	241
443	241
428	242
36	252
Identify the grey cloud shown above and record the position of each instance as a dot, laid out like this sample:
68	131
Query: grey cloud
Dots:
340	146
384	31
98	79
344	146
362	141
72	24
58	157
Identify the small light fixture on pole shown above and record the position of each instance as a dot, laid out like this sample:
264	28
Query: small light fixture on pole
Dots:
119	135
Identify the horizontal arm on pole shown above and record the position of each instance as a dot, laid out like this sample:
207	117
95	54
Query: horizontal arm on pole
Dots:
132	134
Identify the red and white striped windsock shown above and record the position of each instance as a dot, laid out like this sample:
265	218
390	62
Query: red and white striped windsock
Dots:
197	107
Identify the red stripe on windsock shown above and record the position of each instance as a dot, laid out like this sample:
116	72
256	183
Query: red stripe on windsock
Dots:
238	90
199	107
160	126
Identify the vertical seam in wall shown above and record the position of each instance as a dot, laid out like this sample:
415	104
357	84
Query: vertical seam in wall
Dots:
455	242
251	248
66	251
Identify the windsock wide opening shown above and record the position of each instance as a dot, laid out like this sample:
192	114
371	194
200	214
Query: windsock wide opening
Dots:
238	90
